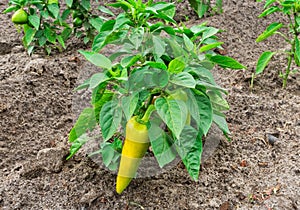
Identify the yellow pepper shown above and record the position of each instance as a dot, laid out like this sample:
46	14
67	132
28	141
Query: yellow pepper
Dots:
135	146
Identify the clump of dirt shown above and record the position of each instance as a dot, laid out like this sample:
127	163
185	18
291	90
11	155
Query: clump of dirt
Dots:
259	169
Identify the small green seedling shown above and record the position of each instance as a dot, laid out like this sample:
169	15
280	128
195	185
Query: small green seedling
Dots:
291	9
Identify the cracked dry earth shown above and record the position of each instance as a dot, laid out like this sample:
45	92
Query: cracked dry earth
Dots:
259	169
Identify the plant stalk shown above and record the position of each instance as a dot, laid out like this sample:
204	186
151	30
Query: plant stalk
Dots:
148	113
287	72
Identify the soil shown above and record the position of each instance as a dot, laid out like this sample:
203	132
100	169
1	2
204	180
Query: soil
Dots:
258	169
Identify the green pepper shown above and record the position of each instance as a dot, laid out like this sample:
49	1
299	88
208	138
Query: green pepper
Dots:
77	22
20	17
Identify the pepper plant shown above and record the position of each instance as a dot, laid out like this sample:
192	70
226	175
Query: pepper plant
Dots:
83	16
42	23
157	89
291	9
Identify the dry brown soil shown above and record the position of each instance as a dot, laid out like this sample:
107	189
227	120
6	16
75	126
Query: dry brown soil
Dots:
36	115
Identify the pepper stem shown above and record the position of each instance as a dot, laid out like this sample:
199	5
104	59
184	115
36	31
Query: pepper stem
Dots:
148	113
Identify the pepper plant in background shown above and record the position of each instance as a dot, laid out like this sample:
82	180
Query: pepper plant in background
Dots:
156	88
203	7
291	9
42	23
83	16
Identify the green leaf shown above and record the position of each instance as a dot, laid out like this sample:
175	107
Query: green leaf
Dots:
269	11
66	33
159	46
97	59
129	104
148	78
173	113
226	62
105	10
188	43
111	153
160	78
297	51
69	3
99	98
183	79
110	118
86	4
209	46
11	8
272	28
29	36
130	60
221	123
192	159
34	20
84	85
136	37
157	65
96	23
53	9
189	148
65	14
77	144
30	49
121	20
202	9
218	103
86	121
209	32
177	65
268	3
97	79
205	111
193	108
50	35
161	144
61	41
263	61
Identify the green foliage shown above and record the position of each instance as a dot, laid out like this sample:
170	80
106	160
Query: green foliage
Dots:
203	7
45	28
84	17
163	65
48	26
291	9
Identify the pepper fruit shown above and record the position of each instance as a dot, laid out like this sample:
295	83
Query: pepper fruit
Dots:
77	22
20	17
135	146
